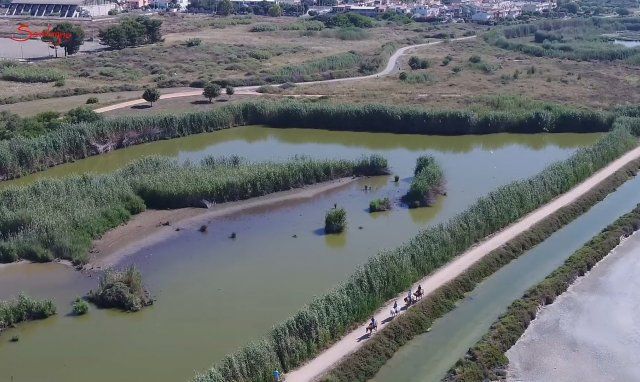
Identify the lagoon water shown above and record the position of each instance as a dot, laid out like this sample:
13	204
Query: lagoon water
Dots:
215	294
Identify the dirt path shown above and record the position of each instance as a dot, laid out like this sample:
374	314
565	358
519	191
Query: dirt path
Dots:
351	342
251	90
149	227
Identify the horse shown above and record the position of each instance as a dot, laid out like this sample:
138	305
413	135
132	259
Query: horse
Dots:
371	327
419	293
409	300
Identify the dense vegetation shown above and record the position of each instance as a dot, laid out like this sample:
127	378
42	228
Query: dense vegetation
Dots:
575	39
79	307
58	218
335	221
14	126
378	205
121	289
427	183
22	156
328	317
486	359
10	71
366	361
24	308
132	32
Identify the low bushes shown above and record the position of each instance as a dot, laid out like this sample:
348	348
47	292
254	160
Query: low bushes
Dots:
24	308
22	73
58	218
378	205
21	156
486	359
122	290
335	221
302	336
79	307
363	364
427	183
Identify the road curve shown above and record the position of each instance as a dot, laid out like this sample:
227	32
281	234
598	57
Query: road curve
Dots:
389	69
350	343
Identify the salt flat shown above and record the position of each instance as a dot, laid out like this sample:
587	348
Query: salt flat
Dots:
591	332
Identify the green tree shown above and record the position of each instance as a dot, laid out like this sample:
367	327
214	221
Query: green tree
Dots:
211	91
132	32
225	8
275	11
82	114
70	44
230	90
151	95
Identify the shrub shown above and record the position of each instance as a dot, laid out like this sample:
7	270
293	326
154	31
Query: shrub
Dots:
264	27
378	205
122	290
193	42
446	60
131	32
91	100
475	59
347	33
59	83
335	221
82	114
417	78
79	307
427	183
24	308
416	63
230	90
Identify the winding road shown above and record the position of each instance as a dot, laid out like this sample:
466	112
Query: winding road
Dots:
251	90
354	340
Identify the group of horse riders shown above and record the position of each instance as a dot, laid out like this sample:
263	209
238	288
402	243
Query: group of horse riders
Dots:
409	300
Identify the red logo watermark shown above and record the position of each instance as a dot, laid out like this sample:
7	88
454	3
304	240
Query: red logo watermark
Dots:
45	33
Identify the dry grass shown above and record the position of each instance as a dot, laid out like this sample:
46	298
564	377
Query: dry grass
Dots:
563	81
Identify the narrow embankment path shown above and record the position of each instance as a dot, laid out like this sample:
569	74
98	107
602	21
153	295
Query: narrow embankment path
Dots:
251	90
352	341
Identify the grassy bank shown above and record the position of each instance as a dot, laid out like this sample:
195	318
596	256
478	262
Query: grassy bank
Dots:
366	361
486	359
22	156
58	218
427	183
327	318
24	308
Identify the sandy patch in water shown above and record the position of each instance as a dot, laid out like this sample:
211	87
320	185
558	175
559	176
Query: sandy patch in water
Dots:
592	331
150	227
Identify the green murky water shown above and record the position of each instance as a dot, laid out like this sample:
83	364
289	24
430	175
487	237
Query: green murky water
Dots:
214	294
428	357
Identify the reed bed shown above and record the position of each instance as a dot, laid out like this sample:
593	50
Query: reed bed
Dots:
428	182
327	318
24	308
21	156
58	218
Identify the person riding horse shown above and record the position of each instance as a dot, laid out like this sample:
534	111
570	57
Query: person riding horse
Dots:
395	310
409	299
419	292
373	325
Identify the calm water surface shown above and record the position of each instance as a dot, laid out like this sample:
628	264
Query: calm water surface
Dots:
429	356
214	294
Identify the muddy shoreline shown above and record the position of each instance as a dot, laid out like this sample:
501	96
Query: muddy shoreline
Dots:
153	226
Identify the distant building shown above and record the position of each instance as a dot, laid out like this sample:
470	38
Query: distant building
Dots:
137	4
361	10
57	8
482	17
